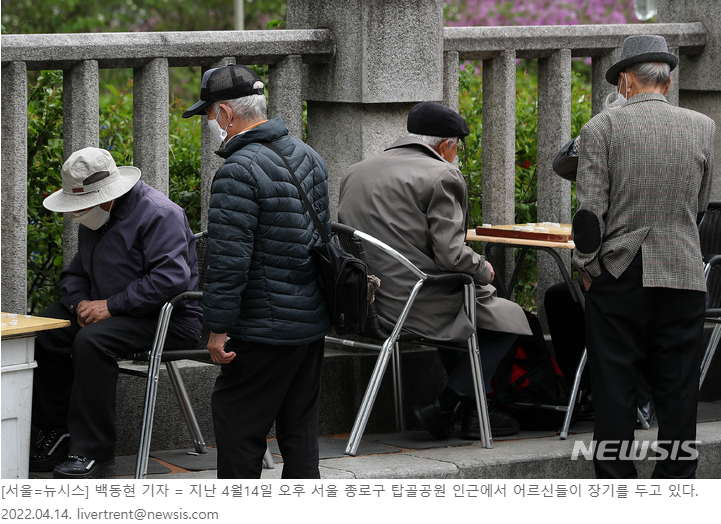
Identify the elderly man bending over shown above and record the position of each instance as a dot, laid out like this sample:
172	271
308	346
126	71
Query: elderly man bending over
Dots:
135	251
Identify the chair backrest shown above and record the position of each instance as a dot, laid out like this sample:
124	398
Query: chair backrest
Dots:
710	231
354	246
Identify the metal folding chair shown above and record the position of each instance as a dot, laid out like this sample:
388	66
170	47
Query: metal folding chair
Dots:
156	355
713	312
353	241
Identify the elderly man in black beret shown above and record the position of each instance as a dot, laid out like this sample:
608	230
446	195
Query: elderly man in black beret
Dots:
413	198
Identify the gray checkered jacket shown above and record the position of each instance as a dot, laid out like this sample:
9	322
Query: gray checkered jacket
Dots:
644	173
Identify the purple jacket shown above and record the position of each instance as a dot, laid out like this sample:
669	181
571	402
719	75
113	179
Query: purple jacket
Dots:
142	257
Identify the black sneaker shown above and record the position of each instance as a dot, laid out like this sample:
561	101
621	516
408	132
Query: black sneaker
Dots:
49	449
502	424
76	467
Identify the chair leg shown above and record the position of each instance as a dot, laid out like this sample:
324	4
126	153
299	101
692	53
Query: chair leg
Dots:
379	370
369	398
475	355
268	462
398	387
151	391
186	407
574	395
710	350
480	392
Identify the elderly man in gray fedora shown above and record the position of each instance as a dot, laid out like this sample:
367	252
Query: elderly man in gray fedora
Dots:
644	176
135	251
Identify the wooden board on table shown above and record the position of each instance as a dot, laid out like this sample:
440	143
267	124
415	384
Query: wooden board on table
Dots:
539	231
16	324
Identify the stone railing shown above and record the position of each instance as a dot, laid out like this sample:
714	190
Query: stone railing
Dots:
150	55
359	76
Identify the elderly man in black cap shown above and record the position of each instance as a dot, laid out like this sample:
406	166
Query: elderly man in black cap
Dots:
644	175
261	298
413	198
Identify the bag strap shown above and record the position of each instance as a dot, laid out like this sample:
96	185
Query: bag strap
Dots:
303	196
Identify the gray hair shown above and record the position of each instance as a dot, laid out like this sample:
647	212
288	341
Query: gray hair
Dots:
651	73
251	108
434	141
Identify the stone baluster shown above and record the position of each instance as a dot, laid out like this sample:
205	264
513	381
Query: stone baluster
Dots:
150	123
14	186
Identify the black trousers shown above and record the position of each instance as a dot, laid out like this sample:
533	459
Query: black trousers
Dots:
567	326
263	384
493	346
74	383
629	326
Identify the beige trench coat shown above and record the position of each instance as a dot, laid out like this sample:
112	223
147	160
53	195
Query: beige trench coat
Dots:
413	200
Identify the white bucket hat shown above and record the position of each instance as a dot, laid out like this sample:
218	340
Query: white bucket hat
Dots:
90	177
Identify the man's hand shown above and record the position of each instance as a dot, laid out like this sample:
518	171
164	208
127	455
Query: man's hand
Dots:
493	272
586	283
216	347
91	311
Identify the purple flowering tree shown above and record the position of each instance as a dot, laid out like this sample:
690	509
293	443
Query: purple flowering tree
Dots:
538	12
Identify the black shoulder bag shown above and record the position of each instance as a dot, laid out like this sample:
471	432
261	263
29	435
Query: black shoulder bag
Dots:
343	277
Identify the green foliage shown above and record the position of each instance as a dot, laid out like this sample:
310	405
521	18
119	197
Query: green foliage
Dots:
45	147
92	16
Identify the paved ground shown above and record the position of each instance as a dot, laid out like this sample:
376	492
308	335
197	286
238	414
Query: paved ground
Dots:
411	455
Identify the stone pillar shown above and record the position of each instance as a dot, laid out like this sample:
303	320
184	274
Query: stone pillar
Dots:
81	110
150	118
209	161
14	160
499	148
698	76
554	130
451	89
600	89
285	97
389	56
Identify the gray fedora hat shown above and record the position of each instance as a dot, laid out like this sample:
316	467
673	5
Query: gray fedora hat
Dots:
639	49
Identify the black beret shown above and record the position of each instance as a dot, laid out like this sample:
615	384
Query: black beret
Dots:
434	119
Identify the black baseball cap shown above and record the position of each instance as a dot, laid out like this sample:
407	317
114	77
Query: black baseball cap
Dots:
434	119
224	83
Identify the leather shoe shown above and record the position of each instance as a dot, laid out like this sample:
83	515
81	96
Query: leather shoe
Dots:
48	449
502	424
584	407
76	467
434	420
647	412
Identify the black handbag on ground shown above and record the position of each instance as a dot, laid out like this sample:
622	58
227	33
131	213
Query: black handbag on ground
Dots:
343	277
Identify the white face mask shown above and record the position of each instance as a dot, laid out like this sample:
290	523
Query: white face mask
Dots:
614	100
218	133
93	218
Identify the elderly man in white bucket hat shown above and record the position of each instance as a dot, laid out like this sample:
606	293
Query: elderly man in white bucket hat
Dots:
135	251
644	176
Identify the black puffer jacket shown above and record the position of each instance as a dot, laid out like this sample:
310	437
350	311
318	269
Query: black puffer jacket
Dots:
262	283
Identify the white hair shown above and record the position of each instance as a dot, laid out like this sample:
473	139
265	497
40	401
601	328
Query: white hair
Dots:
651	73
434	141
251	108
